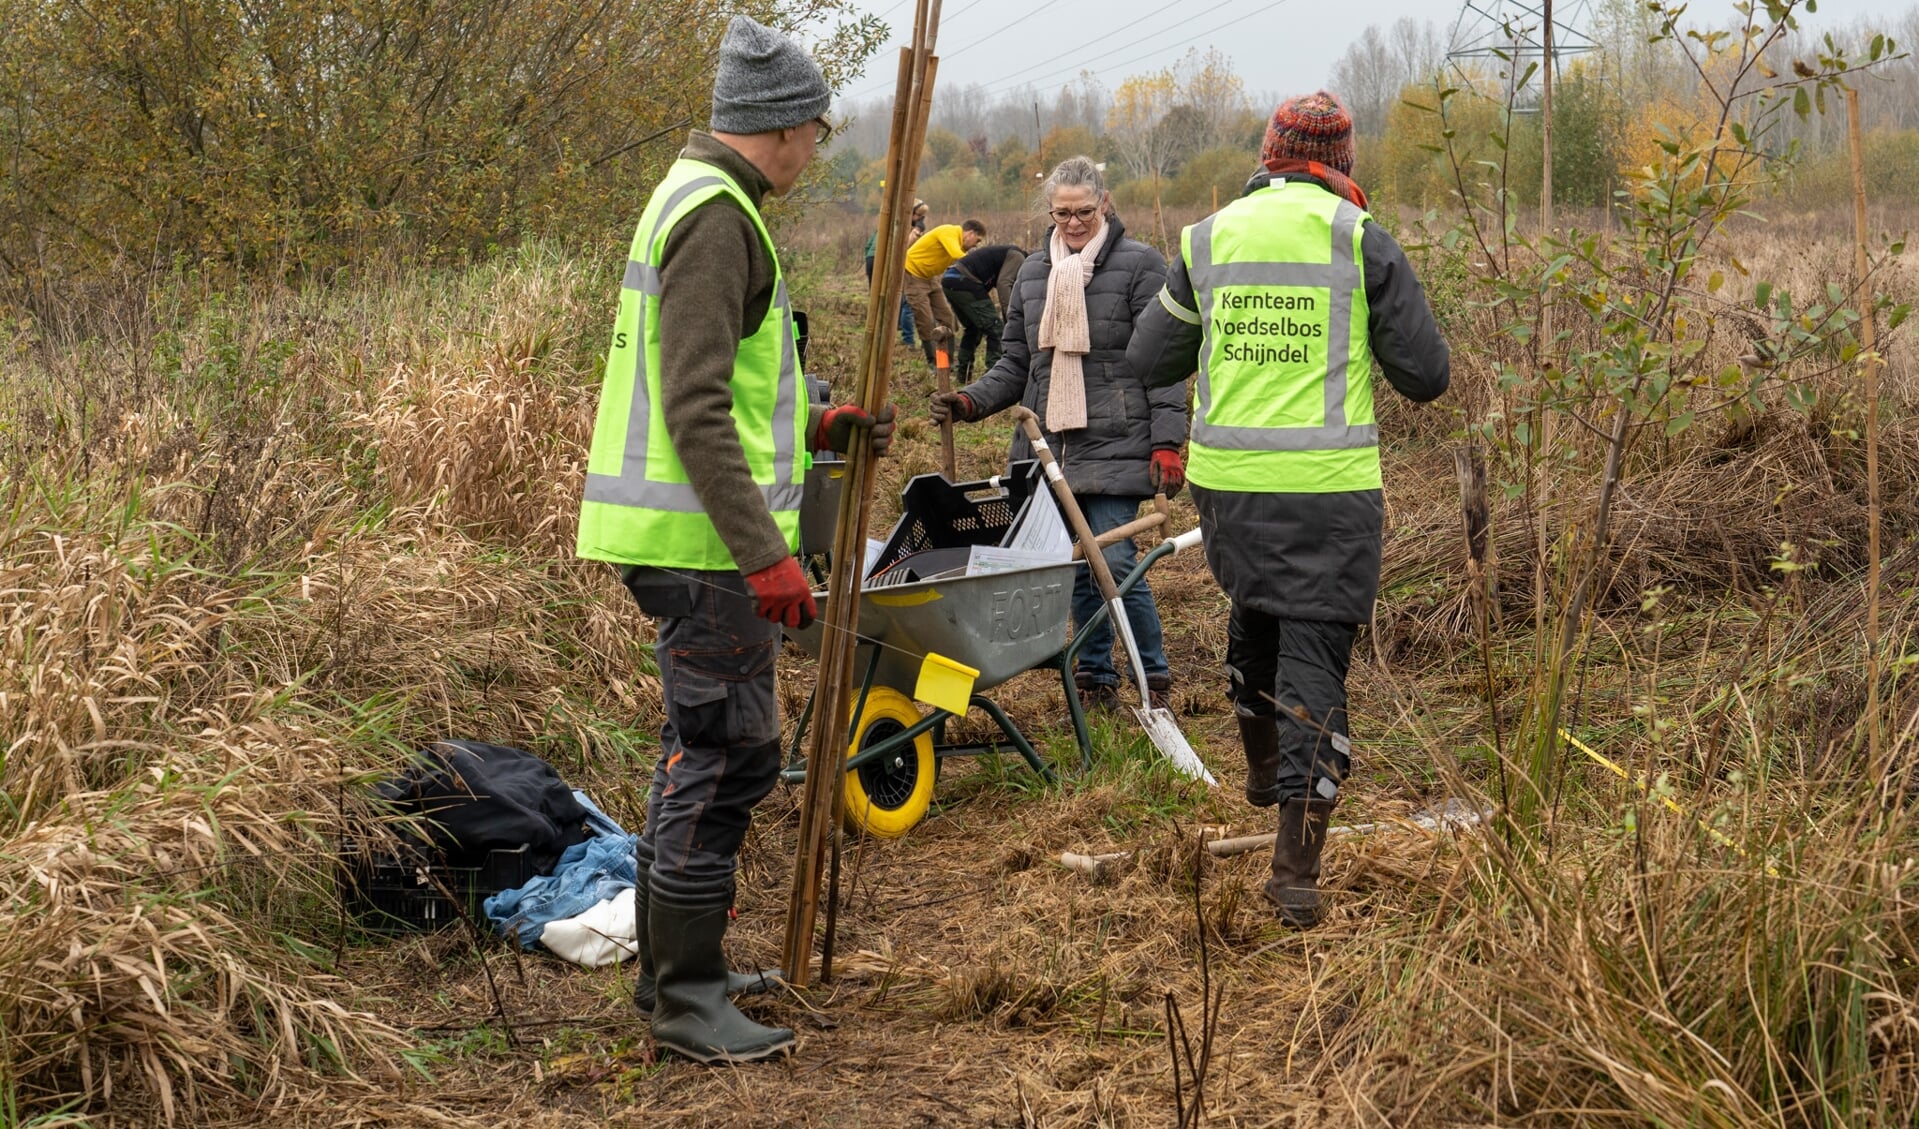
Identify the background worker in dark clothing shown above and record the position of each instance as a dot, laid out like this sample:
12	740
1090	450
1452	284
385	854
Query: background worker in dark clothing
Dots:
1282	300
705	361
971	285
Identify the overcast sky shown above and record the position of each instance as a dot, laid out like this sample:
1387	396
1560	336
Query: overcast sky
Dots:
1279	47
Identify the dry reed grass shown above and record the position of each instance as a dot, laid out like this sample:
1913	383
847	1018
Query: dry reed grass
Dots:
245	577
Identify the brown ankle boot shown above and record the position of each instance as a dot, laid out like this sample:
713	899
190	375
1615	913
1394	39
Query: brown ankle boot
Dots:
1259	736
1294	887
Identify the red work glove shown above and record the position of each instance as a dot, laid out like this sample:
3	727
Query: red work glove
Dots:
783	593
839	424
1167	472
956	406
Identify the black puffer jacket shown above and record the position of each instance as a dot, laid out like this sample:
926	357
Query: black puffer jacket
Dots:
1125	420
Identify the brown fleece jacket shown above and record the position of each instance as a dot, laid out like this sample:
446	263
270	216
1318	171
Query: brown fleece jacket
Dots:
716	284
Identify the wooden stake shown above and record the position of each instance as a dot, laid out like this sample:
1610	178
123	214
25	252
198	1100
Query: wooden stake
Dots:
1862	267
943	376
826	749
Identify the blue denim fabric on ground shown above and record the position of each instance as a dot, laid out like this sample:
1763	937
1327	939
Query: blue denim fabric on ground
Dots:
586	875
597	821
1104	512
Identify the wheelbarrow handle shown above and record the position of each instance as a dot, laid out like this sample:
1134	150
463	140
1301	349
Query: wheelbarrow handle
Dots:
1123	532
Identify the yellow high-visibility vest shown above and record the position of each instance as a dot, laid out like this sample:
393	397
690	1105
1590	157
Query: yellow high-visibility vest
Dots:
639	507
1284	402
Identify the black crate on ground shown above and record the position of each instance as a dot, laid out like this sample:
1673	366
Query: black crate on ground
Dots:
408	892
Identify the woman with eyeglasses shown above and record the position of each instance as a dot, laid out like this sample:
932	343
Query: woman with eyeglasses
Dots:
1063	355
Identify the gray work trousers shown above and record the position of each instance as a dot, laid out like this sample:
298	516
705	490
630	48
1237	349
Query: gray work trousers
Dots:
720	742
1280	668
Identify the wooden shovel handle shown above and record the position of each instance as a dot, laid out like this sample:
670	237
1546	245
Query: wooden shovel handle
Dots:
1089	545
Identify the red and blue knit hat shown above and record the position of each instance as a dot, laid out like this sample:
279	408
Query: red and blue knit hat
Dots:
1311	127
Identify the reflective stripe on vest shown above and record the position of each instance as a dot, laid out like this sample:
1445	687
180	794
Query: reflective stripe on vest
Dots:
1260	254
614	524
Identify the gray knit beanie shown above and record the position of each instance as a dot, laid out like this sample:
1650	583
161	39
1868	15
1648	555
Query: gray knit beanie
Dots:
765	82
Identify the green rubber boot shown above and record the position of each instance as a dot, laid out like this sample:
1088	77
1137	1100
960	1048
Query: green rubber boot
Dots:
692	1016
737	983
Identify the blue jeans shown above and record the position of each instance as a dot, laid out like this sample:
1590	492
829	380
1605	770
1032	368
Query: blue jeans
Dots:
906	312
1104	512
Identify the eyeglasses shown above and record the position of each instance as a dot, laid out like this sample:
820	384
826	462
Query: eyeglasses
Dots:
1083	215
825	130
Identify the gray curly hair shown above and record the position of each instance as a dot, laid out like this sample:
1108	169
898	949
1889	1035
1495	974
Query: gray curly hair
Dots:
1073	172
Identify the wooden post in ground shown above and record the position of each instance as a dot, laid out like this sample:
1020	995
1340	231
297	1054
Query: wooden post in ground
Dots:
826	750
1862	294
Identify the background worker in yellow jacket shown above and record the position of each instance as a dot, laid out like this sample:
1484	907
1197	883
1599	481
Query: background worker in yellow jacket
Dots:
926	259
693	484
1282	301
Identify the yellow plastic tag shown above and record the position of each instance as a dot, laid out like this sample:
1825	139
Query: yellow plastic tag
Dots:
945	684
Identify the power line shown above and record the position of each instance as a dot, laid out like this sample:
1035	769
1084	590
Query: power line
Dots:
1159	50
944	22
1131	23
1003	28
1015	80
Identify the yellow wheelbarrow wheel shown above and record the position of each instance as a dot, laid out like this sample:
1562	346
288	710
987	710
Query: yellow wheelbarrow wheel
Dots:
887	796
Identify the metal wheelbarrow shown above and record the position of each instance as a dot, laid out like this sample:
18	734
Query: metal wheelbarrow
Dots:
944	584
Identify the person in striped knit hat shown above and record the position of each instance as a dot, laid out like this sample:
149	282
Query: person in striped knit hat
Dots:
1312	135
1282	301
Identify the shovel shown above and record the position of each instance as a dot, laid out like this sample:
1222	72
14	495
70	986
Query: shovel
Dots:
1158	723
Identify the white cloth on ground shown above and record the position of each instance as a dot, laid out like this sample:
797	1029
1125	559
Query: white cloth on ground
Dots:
601	936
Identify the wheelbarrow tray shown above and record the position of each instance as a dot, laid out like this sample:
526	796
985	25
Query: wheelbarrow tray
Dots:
1000	623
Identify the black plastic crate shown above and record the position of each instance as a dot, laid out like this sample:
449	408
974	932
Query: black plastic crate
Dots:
408	892
937	514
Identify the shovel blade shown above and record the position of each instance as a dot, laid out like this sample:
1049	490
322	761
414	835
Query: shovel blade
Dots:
1171	743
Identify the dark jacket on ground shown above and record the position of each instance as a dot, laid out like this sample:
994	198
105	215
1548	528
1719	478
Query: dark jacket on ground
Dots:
716	283
986	270
1125	421
1304	556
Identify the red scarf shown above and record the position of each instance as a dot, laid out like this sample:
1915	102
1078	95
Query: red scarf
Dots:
1341	184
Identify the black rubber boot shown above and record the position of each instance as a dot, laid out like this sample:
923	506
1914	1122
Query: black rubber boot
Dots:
1294	887
1259	736
1159	691
692	1015
644	980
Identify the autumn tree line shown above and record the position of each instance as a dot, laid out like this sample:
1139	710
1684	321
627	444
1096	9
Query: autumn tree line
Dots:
303	138
1191	130
289	137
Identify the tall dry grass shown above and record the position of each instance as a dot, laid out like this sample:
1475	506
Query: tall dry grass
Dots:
256	547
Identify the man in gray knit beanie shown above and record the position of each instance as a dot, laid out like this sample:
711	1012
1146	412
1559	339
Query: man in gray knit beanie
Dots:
702	517
765	82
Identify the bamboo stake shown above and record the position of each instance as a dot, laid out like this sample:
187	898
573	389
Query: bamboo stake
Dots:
1100	868
827	747
1542	345
1868	341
